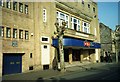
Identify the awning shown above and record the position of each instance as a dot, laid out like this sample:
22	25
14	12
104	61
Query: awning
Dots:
72	42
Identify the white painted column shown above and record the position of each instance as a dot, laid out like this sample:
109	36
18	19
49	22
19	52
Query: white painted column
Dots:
97	55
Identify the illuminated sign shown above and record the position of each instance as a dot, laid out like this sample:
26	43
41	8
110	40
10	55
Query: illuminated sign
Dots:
88	44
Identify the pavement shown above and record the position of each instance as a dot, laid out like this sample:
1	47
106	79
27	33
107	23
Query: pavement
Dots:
50	73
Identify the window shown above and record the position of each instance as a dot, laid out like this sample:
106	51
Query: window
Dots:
8	4
26	35
89	6
86	27
2	31
45	39
26	9
93	9
62	17
75	23
8	32
14	5
44	15
30	55
1	3
21	7
14	33
21	34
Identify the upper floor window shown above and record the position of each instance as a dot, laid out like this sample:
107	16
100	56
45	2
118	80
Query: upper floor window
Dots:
44	15
15	5
8	4
93	9
14	33
89	6
26	9
8	32
86	27
21	34
62	17
75	23
26	35
2	31
45	39
1	3
21	7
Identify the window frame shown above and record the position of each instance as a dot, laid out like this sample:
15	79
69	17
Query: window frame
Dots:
77	23
20	34
8	4
15	33
26	35
15	5
21	7
2	3
1	31
60	16
26	9
48	39
8	32
86	28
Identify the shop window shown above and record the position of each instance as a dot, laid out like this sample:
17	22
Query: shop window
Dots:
15	5
2	31
21	34
8	32
14	33
26	35
8	4
26	9
21	7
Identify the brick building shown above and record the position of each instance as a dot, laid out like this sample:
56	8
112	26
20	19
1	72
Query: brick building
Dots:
27	34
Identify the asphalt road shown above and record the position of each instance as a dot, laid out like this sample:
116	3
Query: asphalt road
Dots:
104	73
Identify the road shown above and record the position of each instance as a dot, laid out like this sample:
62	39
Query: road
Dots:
104	73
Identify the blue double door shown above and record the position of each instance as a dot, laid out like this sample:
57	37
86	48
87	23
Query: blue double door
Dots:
12	63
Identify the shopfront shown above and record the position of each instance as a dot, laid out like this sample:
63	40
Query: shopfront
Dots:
77	49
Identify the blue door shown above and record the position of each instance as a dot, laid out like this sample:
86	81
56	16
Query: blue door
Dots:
12	63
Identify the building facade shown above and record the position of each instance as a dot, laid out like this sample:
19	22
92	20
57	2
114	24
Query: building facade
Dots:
27	34
105	38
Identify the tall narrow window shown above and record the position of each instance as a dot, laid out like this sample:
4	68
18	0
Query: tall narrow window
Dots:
21	34
62	17
26	9
8	32
26	35
93	9
86	27
2	31
44	15
14	33
75	23
8	4
15	5
21	7
1	3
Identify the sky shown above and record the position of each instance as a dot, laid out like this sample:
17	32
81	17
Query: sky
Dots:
108	13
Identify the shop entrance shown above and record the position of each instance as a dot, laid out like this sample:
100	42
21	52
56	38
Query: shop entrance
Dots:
76	55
